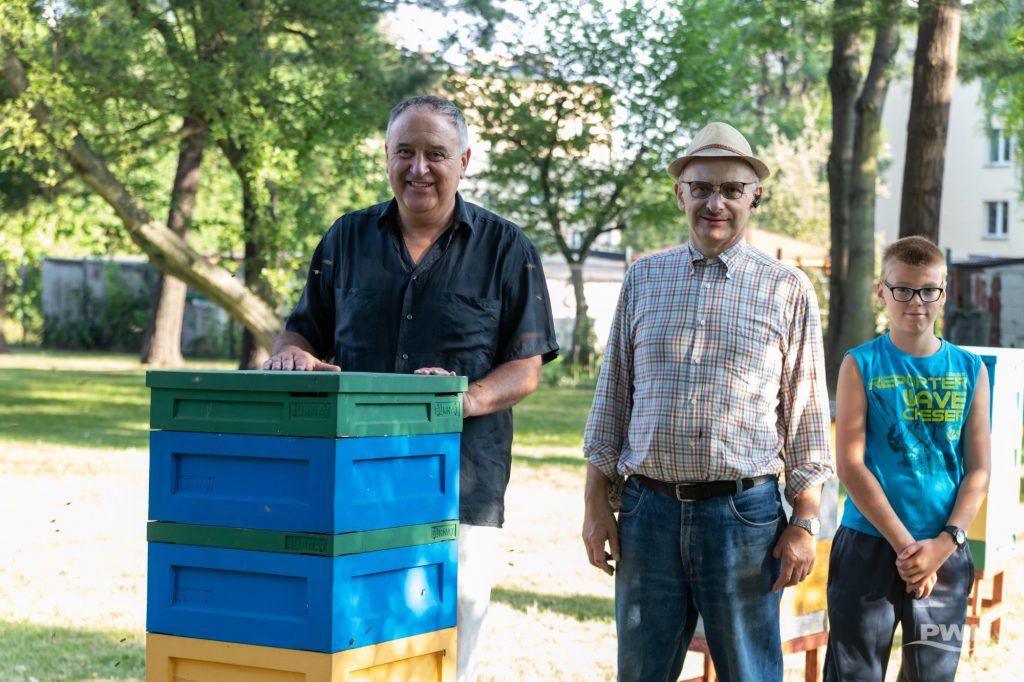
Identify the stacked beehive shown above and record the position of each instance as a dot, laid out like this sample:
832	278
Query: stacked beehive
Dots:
993	533
303	526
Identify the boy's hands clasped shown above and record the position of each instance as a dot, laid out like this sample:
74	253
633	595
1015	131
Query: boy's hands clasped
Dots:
919	561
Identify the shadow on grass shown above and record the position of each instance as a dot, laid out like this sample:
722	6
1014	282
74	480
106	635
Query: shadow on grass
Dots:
73	407
566	461
47	653
582	607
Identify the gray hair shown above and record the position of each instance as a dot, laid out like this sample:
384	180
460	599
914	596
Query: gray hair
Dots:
438	105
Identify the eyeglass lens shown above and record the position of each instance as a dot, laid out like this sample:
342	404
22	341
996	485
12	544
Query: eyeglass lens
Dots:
729	190
904	294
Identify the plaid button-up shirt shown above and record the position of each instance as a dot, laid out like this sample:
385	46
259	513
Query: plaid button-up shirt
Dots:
714	370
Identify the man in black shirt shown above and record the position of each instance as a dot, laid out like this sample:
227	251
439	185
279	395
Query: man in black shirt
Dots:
431	284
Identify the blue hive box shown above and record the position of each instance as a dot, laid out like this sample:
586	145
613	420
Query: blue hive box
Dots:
325	604
313	485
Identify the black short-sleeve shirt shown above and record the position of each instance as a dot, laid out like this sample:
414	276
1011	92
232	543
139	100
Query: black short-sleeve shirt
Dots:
477	299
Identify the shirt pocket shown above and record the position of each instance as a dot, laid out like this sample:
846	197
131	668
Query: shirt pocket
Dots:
753	362
358	312
469	324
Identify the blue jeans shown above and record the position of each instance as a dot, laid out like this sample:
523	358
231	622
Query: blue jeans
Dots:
712	558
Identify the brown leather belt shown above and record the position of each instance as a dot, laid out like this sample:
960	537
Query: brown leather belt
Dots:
702	490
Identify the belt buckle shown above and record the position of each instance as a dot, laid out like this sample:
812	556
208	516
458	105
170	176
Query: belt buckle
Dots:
683	496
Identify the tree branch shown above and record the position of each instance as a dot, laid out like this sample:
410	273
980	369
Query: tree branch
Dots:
166	250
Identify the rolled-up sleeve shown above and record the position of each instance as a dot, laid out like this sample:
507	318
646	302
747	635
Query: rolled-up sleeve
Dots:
527	325
803	413
608	422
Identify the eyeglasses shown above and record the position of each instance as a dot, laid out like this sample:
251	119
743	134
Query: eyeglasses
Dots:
906	294
728	190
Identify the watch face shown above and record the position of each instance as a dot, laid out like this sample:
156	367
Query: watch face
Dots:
959	535
815	526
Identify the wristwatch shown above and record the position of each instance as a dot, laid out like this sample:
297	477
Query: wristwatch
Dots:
959	535
811	525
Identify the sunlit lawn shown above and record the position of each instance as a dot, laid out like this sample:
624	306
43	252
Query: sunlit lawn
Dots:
56	398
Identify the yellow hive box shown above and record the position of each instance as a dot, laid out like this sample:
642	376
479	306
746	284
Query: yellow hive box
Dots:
429	657
810	595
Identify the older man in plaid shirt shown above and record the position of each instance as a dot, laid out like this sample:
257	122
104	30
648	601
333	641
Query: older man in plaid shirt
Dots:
712	385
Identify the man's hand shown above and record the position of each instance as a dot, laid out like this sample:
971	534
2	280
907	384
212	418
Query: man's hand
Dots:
920	559
796	549
295	358
601	533
434	371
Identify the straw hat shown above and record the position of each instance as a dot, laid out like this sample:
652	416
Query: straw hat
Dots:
719	140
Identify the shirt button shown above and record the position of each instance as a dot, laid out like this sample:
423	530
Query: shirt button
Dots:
707	286
696	361
702	322
693	401
405	356
409	316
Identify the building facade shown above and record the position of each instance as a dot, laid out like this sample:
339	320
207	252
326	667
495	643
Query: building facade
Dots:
982	215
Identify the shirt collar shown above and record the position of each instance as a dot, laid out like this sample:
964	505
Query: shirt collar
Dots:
730	258
461	216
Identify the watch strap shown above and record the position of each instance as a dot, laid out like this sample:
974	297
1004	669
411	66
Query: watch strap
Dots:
959	535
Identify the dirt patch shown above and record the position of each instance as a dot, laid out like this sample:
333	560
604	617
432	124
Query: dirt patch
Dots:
75	554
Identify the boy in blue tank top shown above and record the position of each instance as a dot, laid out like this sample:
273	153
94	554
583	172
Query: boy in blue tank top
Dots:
912	449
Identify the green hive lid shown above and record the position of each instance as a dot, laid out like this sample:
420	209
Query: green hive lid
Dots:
302	543
306	382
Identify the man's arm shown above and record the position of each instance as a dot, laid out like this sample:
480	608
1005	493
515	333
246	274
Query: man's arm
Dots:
924	557
796	546
600	532
292	351
803	416
500	389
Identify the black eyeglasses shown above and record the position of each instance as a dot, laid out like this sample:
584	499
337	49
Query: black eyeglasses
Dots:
728	190
905	294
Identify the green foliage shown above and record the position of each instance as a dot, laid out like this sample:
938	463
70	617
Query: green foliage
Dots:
290	91
582	126
797	194
992	51
46	652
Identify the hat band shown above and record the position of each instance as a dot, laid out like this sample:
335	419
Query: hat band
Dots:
715	145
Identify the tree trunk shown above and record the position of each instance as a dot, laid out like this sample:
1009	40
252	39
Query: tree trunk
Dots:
3	308
161	345
580	351
935	63
253	352
166	251
844	78
851	280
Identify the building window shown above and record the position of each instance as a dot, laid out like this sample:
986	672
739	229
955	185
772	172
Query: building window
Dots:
999	147
998	219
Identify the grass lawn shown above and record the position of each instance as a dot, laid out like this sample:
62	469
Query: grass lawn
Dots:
77	399
47	654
